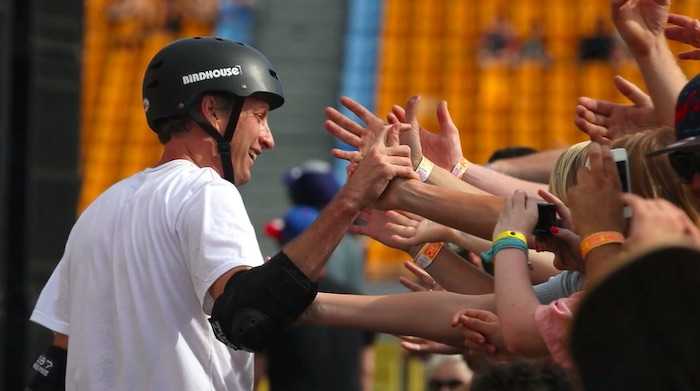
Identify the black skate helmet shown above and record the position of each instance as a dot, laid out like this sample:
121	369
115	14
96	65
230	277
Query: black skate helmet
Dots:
182	72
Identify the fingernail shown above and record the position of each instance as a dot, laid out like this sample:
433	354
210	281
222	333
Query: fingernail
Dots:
554	230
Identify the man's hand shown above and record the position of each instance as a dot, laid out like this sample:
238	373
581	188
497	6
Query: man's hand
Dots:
640	23
657	222
605	121
443	148
383	160
519	214
686	30
595	201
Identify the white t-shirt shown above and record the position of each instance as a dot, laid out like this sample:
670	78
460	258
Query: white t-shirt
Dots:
131	290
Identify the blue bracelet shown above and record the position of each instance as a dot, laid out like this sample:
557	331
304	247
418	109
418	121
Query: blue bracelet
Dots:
500	244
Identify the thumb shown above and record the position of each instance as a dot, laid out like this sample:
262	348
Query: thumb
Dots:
567	236
447	126
631	91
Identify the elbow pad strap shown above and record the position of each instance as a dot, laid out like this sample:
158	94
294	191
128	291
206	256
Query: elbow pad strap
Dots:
260	302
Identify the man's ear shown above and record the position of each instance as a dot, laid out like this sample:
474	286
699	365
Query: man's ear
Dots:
207	107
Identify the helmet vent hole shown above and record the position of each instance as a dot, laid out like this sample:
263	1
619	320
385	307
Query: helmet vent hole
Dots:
273	73
197	37
218	39
156	64
240	44
152	84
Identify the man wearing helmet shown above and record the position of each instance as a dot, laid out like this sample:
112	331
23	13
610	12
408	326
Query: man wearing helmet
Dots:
165	261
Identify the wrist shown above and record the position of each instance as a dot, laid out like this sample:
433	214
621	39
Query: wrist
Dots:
652	51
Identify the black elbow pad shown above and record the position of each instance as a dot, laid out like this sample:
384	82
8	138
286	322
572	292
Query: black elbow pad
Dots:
260	302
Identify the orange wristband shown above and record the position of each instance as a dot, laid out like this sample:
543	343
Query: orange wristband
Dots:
427	254
460	168
598	239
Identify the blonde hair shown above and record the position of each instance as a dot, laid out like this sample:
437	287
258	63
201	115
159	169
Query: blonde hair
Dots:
654	177
651	177
564	173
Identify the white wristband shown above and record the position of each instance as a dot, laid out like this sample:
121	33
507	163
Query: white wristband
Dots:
425	167
460	168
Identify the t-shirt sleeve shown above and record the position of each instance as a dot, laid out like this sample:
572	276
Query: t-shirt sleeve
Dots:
562	285
217	236
52	309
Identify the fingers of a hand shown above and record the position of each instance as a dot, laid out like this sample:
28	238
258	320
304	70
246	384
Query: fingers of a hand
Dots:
635	202
590	116
473	336
399	150
421	274
400	218
345	122
690	55
595	156
399	112
412	110
631	91
359	110
598	106
346	155
474	259
569	237
610	167
411	285
401	230
681	20
342	134
519	199
392	136
482	315
392	119
445	121
457	318
359	229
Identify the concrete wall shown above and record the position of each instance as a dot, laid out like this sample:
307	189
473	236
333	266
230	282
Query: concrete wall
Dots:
304	40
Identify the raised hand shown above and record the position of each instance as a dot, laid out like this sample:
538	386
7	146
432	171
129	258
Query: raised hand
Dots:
641	23
606	121
686	30
411	137
352	133
443	148
657	222
381	161
519	214
595	201
425	282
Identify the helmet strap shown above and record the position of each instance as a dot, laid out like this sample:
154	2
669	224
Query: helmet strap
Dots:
223	142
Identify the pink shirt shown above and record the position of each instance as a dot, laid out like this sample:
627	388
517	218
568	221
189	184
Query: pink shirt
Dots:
553	322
